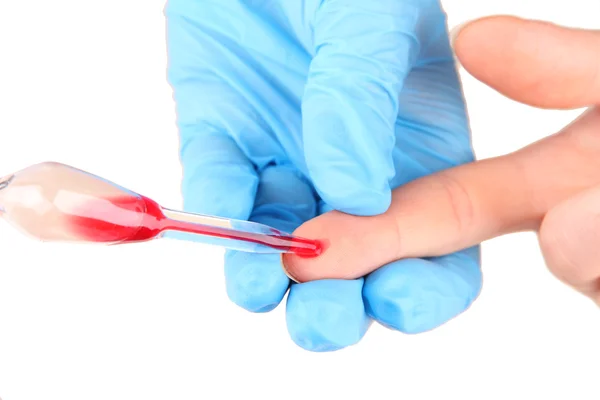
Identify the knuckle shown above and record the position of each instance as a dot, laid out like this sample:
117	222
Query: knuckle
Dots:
460	202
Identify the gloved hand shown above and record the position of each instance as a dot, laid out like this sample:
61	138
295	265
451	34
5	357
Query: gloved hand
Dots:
288	109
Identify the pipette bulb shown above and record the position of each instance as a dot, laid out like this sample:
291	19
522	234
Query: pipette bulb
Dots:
55	202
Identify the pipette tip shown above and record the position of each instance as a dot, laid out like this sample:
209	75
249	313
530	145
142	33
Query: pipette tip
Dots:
307	248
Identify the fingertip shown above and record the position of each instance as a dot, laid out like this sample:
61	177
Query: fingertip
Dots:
327	315
472	36
353	247
465	35
254	282
525	60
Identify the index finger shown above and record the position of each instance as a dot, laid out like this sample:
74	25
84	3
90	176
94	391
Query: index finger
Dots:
456	208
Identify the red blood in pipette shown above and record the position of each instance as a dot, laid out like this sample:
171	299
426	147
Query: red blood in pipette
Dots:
133	219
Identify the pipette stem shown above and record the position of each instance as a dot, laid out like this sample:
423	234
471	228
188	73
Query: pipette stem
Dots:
223	228
284	243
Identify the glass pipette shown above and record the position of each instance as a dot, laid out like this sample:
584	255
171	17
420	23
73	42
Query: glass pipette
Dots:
53	202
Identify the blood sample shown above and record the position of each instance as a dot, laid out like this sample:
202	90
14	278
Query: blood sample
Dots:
55	202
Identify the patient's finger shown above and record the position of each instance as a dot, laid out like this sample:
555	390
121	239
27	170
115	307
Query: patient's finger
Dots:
457	208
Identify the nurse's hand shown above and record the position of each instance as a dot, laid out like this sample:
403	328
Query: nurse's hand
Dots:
288	109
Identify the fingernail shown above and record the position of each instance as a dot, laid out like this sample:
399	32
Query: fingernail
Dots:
454	32
285	270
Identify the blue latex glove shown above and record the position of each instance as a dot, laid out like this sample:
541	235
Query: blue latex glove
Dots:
288	109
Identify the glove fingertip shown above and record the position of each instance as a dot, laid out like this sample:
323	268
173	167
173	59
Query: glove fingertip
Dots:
355	198
254	282
327	315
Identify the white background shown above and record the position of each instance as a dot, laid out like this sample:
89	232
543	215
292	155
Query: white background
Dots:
84	83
